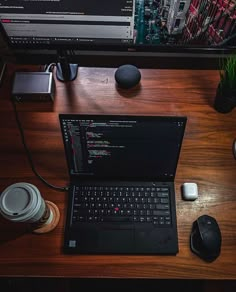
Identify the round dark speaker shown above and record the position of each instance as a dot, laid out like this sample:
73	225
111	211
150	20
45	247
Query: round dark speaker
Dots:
127	76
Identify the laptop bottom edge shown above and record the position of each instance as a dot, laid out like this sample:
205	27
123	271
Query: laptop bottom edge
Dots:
122	241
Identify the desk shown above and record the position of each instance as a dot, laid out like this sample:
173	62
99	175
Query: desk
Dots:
206	158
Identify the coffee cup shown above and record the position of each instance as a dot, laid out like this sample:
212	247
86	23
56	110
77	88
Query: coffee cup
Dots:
22	202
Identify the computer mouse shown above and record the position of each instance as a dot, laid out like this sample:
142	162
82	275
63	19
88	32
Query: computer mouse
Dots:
205	238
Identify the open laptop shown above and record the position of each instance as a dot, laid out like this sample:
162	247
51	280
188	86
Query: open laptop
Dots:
122	194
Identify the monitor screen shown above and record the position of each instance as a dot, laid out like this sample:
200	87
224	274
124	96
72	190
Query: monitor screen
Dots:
67	22
151	26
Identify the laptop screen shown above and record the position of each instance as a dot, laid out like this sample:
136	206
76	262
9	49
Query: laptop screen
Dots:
116	146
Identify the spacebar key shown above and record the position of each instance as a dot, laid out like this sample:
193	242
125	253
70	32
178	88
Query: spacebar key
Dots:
161	212
116	219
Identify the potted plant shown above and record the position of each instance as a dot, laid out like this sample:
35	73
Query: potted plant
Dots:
225	99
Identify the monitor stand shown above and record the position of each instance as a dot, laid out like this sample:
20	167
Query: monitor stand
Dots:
65	70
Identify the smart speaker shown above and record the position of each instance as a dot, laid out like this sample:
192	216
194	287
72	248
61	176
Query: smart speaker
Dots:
127	76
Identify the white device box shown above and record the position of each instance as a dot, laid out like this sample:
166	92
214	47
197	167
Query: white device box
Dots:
190	191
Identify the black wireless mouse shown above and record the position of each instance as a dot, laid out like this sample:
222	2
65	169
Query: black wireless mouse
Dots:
205	238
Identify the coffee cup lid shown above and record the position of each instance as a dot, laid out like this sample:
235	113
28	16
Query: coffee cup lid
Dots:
17	200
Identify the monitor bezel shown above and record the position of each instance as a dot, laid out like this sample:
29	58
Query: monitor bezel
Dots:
103	55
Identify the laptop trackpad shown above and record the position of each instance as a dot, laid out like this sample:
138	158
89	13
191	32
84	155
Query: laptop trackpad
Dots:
118	239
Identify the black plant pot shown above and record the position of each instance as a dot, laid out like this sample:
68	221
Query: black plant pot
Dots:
225	100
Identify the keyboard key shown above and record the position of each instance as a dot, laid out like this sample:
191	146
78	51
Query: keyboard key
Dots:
116	219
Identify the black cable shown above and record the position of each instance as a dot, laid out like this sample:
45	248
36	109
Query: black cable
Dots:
28	153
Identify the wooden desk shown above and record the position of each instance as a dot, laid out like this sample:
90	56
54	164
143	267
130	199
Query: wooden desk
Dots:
206	158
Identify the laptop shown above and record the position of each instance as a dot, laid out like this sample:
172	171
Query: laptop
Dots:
122	194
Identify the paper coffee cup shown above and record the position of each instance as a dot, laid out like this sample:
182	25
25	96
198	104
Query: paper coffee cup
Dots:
22	202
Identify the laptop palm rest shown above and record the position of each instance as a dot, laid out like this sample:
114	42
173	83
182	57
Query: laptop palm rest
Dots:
97	242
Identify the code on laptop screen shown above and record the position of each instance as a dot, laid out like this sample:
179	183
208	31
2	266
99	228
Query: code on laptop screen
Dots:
121	146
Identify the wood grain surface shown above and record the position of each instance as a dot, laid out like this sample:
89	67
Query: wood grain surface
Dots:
206	158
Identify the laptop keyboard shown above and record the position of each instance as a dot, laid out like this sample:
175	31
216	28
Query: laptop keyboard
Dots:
122	204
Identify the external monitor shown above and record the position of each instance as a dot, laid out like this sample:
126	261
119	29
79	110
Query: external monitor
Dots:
119	28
